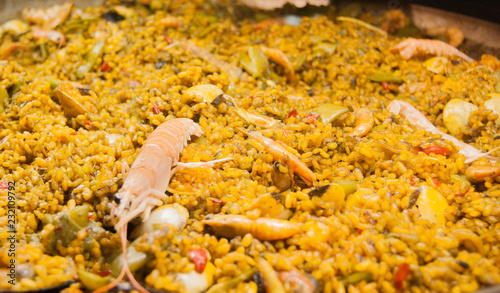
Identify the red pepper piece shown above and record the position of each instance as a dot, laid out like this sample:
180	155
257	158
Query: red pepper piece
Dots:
105	273
167	38
74	133
4	185
435	181
156	108
401	273
311	117
292	113
413	180
216	200
90	215
385	85
199	257
105	67
435	149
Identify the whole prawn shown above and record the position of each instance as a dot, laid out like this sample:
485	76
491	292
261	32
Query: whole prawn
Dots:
411	46
148	179
417	118
278	150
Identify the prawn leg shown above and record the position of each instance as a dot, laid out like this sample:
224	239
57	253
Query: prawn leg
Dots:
180	166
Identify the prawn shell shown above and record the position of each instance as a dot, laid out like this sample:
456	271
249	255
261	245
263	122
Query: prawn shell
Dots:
266	229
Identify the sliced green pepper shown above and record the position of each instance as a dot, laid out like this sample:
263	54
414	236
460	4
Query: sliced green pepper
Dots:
385	76
228	285
91	59
4	95
255	62
92	281
329	111
355	278
348	186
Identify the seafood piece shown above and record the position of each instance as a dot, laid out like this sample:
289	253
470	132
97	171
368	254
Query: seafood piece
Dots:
147	180
210	58
174	215
480	173
296	281
270	5
281	175
52	35
6	50
70	100
416	118
195	282
363	24
364	122
280	58
456	115
266	229
256	119
393	21
206	92
170	22
493	104
271	279
469	239
430	204
278	151
453	35
49	18
438	65
412	46
15	27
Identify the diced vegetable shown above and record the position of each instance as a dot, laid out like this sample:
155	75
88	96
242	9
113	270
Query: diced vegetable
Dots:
459	178
255	62
13	89
456	115
385	76
348	186
329	111
430	204
355	278
400	276
208	30
435	149
333	193
4	96
310	117
91	59
67	226
199	257
228	285
292	113
92	281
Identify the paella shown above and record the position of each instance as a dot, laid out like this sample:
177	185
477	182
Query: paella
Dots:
202	146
